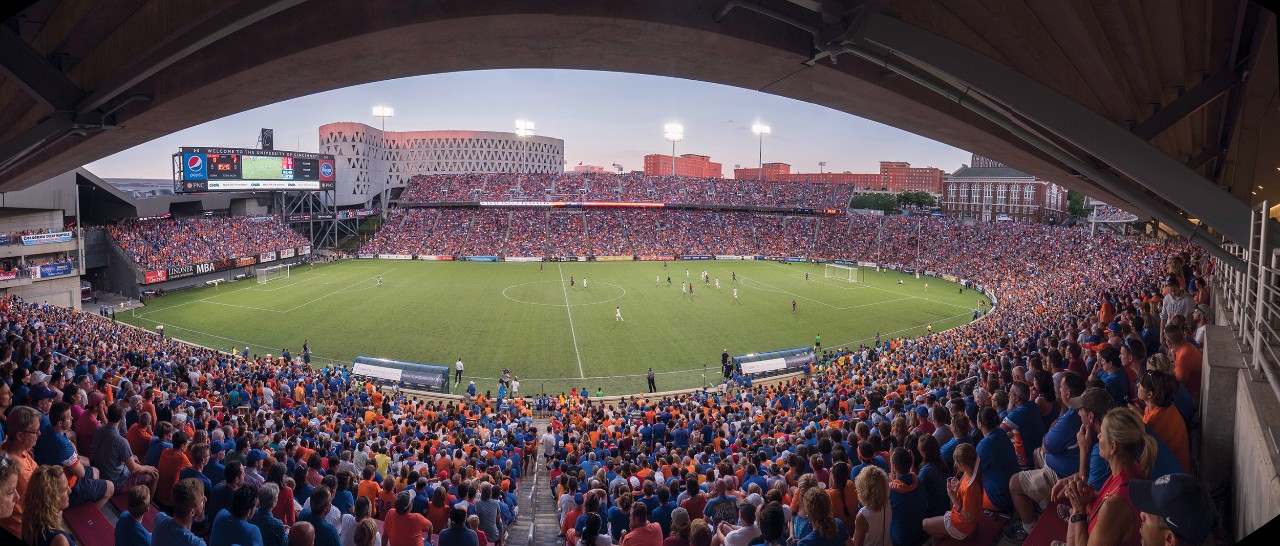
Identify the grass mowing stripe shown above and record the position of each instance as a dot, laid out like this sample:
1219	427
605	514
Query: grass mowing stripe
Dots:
569	310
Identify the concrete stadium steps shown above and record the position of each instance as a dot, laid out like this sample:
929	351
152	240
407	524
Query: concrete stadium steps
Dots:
537	524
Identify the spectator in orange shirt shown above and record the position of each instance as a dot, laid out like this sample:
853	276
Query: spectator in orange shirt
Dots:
172	461
1187	360
1157	390
140	435
405	528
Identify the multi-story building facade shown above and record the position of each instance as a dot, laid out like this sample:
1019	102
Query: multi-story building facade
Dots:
990	191
894	177
370	161
691	165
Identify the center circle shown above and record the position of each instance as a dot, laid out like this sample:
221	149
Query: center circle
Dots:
554	293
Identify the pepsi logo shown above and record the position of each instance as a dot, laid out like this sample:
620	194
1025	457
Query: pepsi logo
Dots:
326	169
194	162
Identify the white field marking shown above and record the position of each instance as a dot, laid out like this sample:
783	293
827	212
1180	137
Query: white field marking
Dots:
697	370
314	356
868	285
770	288
308	277
250	307
358	283
504	294
569	310
205	299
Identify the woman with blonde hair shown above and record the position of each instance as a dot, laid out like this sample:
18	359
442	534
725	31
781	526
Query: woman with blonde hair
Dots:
871	527
1108	516
366	532
47	496
800	519
827	530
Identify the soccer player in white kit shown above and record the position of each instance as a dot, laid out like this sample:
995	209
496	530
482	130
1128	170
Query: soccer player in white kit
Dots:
584	282
617	314
682	287
717	283
735	293
657	279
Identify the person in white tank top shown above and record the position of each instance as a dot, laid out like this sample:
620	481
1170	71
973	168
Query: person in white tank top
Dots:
872	523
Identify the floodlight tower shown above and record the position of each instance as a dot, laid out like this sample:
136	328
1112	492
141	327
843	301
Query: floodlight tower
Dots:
524	129
762	130
673	132
384	112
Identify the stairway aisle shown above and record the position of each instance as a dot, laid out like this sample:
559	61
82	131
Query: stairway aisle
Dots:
537	525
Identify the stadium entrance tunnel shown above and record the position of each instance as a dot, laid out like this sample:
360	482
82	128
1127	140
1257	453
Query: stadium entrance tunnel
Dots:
230	57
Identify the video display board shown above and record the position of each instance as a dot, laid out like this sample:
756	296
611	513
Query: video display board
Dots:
241	169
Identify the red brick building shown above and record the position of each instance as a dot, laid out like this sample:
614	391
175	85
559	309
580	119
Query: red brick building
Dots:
894	176
691	165
774	172
990	191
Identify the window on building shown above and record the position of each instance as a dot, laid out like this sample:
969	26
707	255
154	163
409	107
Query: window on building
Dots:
1028	193
1001	194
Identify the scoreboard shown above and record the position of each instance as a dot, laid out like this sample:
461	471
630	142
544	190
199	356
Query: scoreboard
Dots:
242	169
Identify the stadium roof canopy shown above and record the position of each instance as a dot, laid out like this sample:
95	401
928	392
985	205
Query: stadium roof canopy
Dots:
1160	108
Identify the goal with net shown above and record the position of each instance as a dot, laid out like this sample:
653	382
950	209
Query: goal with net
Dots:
841	272
268	274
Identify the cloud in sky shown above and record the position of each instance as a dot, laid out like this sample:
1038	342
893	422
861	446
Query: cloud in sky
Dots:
603	117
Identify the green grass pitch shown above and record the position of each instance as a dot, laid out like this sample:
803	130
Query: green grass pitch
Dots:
552	335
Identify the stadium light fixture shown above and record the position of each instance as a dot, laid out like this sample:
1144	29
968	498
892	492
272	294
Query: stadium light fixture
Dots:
524	128
673	132
383	112
762	130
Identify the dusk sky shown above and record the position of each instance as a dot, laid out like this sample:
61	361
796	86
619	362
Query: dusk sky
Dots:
603	117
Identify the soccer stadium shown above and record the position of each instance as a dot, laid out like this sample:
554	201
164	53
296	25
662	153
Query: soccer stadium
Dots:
446	333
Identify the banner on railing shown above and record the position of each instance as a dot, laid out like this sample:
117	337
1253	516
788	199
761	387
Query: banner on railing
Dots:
54	270
269	256
478	258
203	268
523	259
396	256
6	240
286	253
304	250
152	277
867	264
733	257
694	256
795	259
434	258
366	256
8	275
47	238
614	258
246	261
657	257
181	272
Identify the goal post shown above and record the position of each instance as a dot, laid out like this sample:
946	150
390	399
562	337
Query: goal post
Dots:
840	272
268	274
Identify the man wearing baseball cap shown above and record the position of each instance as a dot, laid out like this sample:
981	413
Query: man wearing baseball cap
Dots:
1174	507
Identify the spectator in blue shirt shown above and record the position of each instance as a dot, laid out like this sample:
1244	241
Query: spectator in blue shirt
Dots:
1058	458
129	530
997	460
230	527
457	534
188	506
1024	420
272	529
907	500
960	427
1113	375
159	443
326	533
933	476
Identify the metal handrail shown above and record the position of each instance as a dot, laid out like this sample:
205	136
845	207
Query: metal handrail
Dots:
1250	297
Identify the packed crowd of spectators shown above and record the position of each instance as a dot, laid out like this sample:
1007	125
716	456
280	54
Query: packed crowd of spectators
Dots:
623	187
165	243
1072	398
234	448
